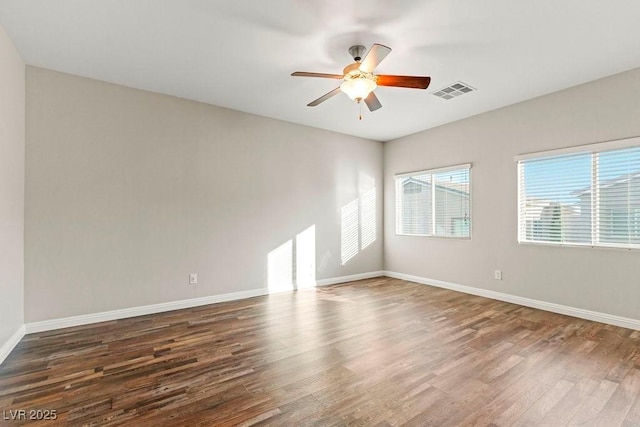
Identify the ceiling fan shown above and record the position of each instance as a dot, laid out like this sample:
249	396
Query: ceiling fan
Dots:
359	80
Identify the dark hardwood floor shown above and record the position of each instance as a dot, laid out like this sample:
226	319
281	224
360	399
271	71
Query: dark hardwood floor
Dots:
374	352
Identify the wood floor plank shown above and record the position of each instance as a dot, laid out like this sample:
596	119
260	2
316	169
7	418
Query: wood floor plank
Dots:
591	408
633	416
617	407
379	352
566	408
537	412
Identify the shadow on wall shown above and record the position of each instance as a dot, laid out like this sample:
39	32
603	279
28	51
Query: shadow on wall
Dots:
358	225
292	265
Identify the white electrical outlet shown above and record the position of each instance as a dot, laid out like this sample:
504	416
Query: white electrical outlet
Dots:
193	279
497	274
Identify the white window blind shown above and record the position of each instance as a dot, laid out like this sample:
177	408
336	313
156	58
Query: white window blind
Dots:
434	202
589	197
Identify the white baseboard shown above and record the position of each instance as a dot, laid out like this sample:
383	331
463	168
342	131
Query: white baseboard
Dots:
610	319
48	325
11	343
350	278
86	319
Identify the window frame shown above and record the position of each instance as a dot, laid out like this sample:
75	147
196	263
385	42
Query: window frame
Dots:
397	176
594	149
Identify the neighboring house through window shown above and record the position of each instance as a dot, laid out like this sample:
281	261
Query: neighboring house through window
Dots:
587	195
434	202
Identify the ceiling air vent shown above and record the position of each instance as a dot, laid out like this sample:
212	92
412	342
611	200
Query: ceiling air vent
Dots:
454	90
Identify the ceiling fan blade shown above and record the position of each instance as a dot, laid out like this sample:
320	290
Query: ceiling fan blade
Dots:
324	97
323	75
372	102
375	56
414	82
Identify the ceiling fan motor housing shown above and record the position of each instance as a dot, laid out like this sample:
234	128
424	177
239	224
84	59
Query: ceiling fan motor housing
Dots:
351	68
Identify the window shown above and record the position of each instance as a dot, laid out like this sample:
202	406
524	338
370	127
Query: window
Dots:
586	195
434	202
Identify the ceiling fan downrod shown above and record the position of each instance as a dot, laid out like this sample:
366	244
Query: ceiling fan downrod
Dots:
357	52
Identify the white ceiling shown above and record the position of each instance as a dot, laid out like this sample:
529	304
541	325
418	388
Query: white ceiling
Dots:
240	53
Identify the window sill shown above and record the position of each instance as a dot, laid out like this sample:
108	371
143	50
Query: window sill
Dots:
578	245
435	237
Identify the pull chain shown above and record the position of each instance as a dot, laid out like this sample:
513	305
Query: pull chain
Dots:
360	104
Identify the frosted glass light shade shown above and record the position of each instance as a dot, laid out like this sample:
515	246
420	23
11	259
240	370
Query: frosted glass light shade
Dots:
358	88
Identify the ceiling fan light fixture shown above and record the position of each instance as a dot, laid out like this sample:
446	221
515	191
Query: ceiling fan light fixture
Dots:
358	86
359	81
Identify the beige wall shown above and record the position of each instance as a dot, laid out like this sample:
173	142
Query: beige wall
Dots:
12	100
128	192
604	280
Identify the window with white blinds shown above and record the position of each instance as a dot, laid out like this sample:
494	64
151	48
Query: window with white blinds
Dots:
434	202
581	196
